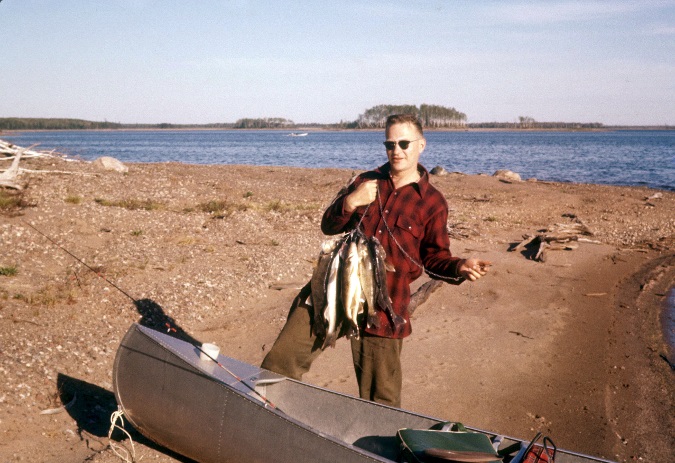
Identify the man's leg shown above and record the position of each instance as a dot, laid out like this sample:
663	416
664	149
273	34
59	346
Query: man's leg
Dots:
377	362
296	346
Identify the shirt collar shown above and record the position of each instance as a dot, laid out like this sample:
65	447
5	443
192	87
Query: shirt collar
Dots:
420	186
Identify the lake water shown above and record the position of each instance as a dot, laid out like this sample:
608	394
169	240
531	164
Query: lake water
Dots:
644	158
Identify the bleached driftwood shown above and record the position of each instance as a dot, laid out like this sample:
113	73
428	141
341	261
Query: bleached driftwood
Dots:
555	238
16	153
8	177
10	151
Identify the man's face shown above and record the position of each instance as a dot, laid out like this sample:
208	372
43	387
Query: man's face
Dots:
404	161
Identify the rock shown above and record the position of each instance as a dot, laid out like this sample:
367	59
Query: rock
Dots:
507	175
438	170
109	163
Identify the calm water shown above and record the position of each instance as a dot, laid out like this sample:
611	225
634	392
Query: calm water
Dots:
645	158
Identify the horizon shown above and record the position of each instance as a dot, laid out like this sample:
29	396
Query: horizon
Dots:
310	125
151	62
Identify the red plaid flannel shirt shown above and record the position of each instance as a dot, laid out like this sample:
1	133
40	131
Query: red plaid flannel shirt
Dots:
417	215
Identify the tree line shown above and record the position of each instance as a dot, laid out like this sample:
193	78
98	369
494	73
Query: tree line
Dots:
530	123
264	123
21	123
431	116
28	123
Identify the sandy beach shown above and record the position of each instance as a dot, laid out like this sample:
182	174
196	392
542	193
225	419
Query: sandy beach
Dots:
571	346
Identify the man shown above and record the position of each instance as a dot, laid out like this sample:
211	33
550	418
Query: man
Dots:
397	204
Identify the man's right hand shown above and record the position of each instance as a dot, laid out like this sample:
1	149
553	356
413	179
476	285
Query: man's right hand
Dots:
364	194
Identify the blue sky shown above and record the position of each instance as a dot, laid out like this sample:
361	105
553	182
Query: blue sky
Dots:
192	61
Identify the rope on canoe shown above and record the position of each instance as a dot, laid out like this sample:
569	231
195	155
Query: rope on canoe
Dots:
126	456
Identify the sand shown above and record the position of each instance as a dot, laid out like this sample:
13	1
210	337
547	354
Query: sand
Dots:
571	346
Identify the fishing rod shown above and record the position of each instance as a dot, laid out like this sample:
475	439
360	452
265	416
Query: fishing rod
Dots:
136	302
80	261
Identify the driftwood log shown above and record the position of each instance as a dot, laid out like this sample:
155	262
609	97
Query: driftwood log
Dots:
14	153
420	296
555	238
10	150
8	177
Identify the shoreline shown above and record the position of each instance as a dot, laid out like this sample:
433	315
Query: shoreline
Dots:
569	347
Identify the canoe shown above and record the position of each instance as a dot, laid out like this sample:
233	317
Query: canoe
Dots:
231	411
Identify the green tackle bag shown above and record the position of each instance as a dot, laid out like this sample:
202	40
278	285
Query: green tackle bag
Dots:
451	442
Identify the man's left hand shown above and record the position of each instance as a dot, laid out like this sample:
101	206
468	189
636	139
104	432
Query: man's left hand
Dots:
472	269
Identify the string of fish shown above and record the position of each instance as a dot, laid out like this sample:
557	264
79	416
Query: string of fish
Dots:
350	275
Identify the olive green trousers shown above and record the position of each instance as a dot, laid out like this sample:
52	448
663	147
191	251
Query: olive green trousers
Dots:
377	361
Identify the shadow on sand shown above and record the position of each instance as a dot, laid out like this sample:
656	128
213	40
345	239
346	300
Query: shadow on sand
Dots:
91	406
154	317
529	251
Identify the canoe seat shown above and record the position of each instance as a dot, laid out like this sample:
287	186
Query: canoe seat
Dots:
446	442
267	377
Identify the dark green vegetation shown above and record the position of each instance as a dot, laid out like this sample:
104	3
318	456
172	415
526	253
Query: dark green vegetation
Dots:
22	123
9	271
27	123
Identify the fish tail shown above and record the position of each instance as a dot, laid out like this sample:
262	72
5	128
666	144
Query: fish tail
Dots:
330	340
396	320
373	320
319	326
352	332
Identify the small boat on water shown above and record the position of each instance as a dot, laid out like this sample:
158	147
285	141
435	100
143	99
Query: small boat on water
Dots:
296	134
224	410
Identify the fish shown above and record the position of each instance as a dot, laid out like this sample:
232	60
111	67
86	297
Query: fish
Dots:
332	313
319	281
351	285
350	278
367	280
382	298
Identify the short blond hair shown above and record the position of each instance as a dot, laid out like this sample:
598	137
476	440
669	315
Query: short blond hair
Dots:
404	119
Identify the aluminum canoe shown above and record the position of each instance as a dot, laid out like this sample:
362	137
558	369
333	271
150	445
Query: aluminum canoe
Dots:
241	413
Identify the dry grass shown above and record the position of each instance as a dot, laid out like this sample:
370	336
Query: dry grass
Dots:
73	199
131	204
11	202
48	296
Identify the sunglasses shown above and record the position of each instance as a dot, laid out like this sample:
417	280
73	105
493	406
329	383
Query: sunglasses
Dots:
404	144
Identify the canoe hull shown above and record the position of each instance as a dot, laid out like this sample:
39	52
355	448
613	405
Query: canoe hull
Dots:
181	407
237	412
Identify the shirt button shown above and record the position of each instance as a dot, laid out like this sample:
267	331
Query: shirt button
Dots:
386	211
379	231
